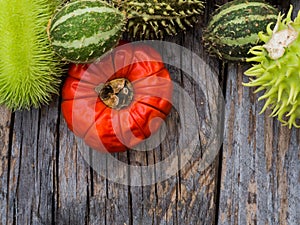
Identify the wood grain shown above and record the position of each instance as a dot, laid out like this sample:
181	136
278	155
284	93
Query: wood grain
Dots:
31	164
6	122
261	166
46	178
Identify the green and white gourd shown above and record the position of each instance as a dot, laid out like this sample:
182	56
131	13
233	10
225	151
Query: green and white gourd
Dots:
82	31
276	70
233	28
157	18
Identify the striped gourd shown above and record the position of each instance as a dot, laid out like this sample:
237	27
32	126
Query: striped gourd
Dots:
82	31
234	27
156	18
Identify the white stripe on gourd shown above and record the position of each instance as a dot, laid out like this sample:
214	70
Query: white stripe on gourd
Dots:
80	12
240	41
250	18
86	41
238	7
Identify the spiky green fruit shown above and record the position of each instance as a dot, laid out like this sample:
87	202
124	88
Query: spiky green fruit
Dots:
233	28
157	18
29	71
82	31
277	69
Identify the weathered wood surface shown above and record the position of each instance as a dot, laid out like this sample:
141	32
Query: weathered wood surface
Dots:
44	178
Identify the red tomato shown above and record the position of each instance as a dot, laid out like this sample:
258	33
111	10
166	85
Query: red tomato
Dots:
119	101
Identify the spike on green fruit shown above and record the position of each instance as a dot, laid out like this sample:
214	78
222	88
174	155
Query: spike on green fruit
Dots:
29	70
276	69
149	19
233	29
82	31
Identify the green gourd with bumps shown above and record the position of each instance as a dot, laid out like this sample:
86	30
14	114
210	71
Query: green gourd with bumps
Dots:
158	18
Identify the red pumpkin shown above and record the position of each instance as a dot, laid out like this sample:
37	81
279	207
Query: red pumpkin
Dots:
116	103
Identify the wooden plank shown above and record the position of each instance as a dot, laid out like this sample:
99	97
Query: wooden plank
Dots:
198	186
118	201
31	174
22	171
99	201
261	164
5	129
72	180
46	163
155	203
109	199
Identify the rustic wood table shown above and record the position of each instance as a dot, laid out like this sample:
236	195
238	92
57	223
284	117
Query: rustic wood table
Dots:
255	178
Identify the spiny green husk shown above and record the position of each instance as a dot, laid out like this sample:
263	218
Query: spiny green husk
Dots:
278	74
233	28
82	31
29	71
157	18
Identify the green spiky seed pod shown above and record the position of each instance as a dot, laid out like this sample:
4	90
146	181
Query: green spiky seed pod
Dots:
29	71
233	28
82	31
277	69
157	18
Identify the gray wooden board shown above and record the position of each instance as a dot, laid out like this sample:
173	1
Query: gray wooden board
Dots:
31	167
5	127
45	177
261	164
